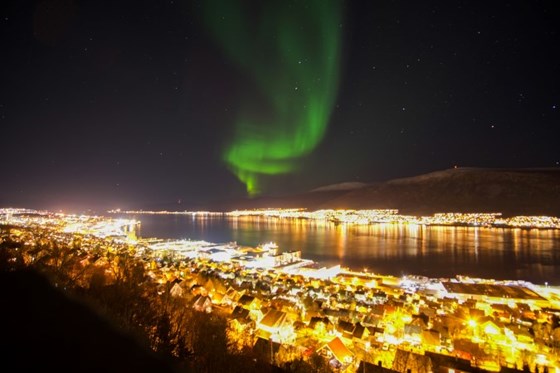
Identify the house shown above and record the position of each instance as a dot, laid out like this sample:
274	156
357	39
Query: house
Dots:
380	296
413	333
360	332
337	350
321	325
214	286
521	333
422	320
217	298
249	302
360	295
345	328
177	290
375	332
390	308
272	321
245	284
372	318
469	304
202	303
230	298
525	312
449	304
431	337
490	327
198	290
466	349
240	313
266	349
239	319
502	312
430	311
335	314
443	332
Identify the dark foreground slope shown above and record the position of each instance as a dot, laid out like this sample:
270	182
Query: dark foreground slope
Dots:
509	191
43	330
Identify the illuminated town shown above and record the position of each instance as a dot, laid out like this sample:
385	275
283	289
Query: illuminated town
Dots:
350	318
365	217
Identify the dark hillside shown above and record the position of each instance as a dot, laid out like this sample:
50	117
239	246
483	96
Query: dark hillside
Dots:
44	330
510	191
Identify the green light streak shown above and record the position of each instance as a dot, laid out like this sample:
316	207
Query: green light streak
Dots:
290	53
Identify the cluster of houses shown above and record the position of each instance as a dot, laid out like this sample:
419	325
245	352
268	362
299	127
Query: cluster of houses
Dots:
367	321
363	321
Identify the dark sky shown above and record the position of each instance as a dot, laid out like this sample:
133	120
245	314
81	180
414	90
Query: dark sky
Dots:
131	103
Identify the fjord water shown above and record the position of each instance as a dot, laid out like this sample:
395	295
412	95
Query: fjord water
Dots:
434	251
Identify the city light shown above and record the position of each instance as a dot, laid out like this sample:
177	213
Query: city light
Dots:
358	309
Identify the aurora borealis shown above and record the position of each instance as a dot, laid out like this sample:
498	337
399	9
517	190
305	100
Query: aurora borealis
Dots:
290	58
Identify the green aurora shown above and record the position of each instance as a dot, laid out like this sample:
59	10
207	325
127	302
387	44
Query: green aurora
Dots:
289	52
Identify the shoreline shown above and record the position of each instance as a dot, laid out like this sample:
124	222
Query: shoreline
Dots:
377	216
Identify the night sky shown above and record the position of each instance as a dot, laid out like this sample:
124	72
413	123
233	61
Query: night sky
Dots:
142	104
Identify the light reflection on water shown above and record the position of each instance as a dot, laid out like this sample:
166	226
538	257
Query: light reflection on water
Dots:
499	253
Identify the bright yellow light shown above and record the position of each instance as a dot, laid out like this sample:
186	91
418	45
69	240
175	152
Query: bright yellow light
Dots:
541	359
472	323
491	329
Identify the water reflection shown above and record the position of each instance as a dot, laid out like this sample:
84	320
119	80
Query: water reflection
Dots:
395	249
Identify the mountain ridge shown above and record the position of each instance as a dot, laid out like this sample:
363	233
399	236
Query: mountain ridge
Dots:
510	191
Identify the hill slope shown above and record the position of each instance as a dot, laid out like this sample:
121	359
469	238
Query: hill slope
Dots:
43	330
509	191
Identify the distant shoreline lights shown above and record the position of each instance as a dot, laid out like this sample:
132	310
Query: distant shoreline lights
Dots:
377	216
